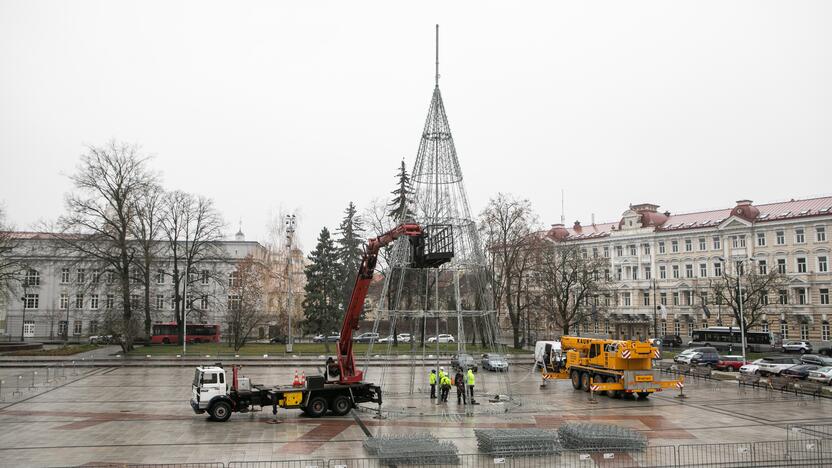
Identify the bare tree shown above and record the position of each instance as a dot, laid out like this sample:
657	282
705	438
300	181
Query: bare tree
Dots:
246	300
12	265
570	284
145	229
100	212
507	225
191	228
756	290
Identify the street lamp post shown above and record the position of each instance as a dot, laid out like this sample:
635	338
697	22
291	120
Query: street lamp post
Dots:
290	234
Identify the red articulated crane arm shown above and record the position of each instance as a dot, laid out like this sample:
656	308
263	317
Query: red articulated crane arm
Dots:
346	360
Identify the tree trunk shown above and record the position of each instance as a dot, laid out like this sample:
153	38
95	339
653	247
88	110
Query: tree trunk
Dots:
147	320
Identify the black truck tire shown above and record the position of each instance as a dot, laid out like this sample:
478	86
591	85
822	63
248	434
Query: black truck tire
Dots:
576	379
585	377
316	407
220	411
341	405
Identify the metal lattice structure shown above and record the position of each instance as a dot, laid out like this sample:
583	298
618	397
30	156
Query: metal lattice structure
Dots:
456	297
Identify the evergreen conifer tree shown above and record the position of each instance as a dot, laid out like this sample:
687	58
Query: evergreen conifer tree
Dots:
350	250
401	208
321	307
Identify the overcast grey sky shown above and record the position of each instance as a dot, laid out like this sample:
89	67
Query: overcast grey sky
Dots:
690	105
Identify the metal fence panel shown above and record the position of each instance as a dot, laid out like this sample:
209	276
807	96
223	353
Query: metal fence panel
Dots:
794	453
174	465
313	463
716	455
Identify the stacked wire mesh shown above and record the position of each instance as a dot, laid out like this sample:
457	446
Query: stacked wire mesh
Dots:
597	437
517	442
412	449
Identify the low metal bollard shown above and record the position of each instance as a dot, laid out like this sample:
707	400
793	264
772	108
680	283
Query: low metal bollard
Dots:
34	373
17	390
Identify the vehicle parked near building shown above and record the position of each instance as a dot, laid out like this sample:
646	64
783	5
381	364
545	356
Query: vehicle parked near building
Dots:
816	359
730	338
685	356
671	341
730	363
494	362
321	338
800	371
443	338
463	362
825	351
366	337
708	358
801	346
775	365
751	368
821	374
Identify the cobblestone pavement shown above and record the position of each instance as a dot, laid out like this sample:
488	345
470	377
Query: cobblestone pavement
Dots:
141	415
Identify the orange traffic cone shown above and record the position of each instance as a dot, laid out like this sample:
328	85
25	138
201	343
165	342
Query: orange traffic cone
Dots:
296	380
303	378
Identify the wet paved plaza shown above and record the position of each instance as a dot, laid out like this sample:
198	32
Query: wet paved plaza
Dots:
141	415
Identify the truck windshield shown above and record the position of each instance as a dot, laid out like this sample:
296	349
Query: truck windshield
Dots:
196	377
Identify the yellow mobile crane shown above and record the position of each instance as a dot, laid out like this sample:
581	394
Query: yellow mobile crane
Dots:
615	367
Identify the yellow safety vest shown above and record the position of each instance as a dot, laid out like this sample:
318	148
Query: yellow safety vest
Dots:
471	379
445	380
433	378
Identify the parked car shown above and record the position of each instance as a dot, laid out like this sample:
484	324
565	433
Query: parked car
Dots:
800	371
331	338
776	365
797	346
821	374
816	359
463	362
730	363
101	339
278	339
494	362
685	356
708	358
366	337
825	351
404	337
671	341
751	368
443	338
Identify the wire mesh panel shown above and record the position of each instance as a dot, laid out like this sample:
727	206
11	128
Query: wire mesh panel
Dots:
174	465
716	455
314	463
807	452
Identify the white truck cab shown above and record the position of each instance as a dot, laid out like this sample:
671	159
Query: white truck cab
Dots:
209	383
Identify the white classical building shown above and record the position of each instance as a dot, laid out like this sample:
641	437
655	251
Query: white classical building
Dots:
62	291
669	259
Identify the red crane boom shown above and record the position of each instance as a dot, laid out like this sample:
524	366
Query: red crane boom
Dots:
347	371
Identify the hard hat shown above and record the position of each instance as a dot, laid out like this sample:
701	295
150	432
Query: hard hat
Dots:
441	368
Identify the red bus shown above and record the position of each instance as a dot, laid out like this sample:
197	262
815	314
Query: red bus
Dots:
167	333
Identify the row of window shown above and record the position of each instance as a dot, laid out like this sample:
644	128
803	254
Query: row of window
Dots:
32	277
804	328
737	241
801	266
686	298
93	302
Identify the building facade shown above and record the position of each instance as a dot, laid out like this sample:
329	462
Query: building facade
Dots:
63	295
671	259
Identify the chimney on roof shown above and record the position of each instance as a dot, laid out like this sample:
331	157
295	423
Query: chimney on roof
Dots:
743	202
593	219
667	213
577	226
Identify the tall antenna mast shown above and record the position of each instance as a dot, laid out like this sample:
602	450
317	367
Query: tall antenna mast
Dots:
437	55
562	211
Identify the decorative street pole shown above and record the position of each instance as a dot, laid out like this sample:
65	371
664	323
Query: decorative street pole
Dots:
290	234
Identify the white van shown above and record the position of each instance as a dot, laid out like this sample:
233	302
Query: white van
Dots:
544	350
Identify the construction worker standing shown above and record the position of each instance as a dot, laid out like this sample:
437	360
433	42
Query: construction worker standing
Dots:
445	387
432	380
471	382
459	382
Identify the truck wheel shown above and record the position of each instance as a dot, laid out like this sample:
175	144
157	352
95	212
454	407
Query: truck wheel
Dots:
576	380
220	411
643	395
610	393
316	407
341	405
585	381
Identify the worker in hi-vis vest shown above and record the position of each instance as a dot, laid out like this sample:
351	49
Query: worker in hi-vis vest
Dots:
432	381
471	382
